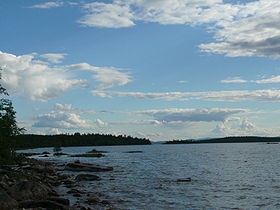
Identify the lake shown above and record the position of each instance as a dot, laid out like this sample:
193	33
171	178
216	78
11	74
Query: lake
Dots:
223	176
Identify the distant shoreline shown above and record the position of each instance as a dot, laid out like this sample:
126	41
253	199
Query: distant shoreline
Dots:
231	139
30	141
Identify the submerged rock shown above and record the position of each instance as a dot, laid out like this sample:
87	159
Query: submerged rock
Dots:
184	180
134	151
87	177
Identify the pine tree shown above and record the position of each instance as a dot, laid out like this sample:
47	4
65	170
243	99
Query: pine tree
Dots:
8	126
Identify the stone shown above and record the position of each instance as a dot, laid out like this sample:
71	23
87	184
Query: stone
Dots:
74	191
93	200
49	205
26	190
184	180
87	177
62	201
6	201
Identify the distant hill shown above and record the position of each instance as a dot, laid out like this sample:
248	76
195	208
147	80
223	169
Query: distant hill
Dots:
232	139
77	139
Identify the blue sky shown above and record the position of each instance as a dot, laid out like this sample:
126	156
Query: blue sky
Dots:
161	69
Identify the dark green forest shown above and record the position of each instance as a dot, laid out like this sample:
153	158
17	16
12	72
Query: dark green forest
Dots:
231	139
77	139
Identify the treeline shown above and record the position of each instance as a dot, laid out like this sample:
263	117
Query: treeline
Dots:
68	140
231	139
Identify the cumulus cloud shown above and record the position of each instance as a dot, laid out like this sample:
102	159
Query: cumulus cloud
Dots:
254	31
41	80
63	116
240	29
47	5
106	76
268	95
54	57
191	115
238	127
34	79
123	13
106	15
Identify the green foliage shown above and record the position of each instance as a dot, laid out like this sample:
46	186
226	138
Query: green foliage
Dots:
8	127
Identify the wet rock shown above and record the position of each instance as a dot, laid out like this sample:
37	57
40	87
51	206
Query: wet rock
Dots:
68	181
184	180
44	156
63	177
62	201
75	191
3	171
134	151
87	177
77	195
46	204
88	155
93	200
6	201
26	190
105	202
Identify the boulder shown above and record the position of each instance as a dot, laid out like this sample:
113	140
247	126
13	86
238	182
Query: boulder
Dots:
6	201
26	190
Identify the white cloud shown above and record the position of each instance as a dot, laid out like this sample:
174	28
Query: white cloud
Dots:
141	95
101	123
273	79
191	115
240	29
31	77
28	76
246	125
269	95
254	31
124	13
238	127
47	5
233	80
106	15
238	80
63	116
54	57
106	76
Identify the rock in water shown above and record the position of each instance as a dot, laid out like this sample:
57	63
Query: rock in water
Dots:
184	180
87	177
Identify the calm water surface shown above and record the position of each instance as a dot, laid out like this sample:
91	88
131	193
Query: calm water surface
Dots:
224	176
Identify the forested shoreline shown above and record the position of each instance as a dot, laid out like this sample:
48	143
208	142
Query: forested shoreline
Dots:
28	141
230	139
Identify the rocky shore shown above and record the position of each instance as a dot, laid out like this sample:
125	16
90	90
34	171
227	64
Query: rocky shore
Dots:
35	184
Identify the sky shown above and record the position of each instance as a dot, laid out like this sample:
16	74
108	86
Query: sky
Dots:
156	69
